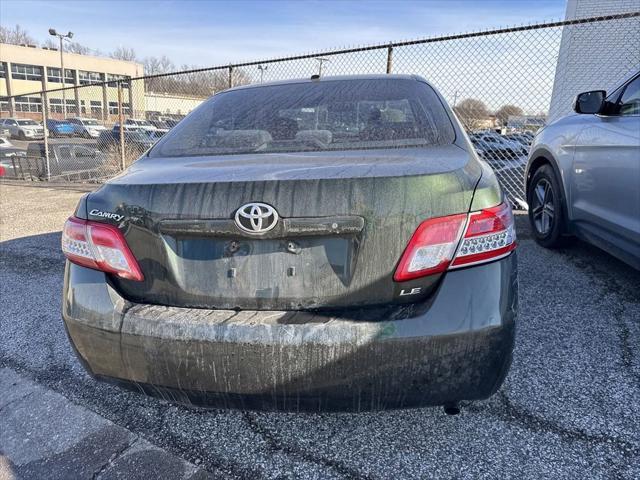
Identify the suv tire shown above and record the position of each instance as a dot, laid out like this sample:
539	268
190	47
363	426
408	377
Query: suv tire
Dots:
546	208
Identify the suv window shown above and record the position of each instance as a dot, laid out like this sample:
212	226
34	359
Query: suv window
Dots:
83	152
313	116
630	100
64	152
35	150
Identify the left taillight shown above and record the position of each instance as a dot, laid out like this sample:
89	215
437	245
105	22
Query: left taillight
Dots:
99	246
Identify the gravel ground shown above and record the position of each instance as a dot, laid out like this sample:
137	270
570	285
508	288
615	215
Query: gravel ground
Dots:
570	407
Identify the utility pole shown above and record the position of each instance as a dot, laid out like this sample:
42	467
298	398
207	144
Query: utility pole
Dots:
320	61
69	35
262	69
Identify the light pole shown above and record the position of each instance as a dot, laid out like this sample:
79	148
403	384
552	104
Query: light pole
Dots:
262	69
320	62
69	35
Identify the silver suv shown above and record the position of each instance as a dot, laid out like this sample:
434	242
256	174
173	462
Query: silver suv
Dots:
23	128
583	174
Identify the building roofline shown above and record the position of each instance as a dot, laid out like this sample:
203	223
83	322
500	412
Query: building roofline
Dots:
66	53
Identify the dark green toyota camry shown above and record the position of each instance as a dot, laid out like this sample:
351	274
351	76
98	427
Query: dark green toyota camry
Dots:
321	244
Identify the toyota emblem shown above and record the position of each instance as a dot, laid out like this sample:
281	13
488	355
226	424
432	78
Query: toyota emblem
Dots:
256	218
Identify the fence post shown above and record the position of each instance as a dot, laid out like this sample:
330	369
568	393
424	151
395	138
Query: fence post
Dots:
45	104
230	76
389	58
121	129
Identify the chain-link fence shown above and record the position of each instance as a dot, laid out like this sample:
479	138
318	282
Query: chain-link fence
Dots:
503	85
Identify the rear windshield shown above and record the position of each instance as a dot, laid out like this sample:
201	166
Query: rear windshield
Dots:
26	122
328	115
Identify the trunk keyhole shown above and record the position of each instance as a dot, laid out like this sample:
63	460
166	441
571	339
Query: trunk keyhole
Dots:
233	247
293	247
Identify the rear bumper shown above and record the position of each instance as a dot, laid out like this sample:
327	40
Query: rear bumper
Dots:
456	348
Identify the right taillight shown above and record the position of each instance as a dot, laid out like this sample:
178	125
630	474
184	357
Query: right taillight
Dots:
456	241
490	234
99	246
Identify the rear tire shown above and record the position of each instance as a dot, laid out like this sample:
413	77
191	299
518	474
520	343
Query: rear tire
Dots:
546	209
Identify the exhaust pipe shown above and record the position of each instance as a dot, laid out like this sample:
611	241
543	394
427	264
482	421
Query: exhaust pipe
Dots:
452	408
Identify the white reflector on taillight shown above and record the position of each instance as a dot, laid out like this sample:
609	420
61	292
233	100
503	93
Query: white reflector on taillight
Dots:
439	244
99	246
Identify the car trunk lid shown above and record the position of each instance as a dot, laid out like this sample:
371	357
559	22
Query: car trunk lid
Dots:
344	220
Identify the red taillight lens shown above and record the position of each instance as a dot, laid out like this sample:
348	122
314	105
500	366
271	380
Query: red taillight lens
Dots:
2	171
490	235
439	244
99	246
431	248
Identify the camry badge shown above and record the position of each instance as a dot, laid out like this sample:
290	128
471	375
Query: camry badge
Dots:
256	218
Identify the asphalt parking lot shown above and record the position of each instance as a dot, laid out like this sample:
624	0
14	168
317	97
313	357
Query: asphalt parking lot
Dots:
570	407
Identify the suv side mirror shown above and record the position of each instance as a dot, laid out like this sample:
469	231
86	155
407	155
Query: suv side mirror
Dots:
590	102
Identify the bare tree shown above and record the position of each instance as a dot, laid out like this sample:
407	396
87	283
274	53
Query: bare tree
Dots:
15	36
69	47
473	113
50	43
158	65
75	47
506	111
124	53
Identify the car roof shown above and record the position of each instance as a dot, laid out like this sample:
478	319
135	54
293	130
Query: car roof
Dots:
337	78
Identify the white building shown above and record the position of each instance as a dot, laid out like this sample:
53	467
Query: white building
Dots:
595	56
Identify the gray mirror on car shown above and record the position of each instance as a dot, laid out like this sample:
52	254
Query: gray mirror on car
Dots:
590	102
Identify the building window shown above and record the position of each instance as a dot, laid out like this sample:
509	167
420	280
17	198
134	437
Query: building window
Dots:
55	105
53	75
96	108
4	104
3	70
28	104
88	78
113	108
26	72
72	107
113	78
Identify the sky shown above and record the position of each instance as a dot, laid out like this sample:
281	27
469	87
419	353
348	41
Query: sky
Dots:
207	33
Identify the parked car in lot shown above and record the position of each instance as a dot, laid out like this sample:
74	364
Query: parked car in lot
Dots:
492	146
23	128
5	143
68	159
9	155
583	175
135	140
263	256
524	138
4	131
164	124
60	128
140	124
86	127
